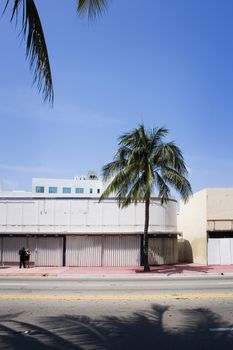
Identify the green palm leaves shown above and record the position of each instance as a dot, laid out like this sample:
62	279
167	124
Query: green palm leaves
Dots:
32	31
91	7
36	49
143	163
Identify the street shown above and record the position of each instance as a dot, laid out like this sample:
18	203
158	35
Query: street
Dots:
127	312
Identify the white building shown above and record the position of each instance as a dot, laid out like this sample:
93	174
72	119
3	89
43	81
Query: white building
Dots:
206	223
80	186
75	229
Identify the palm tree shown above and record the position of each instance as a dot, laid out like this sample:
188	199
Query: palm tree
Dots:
143	163
36	48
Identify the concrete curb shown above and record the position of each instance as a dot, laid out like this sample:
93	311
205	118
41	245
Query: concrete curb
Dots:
149	276
130	272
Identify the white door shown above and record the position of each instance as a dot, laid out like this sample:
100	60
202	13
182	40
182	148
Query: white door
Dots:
220	251
225	251
213	251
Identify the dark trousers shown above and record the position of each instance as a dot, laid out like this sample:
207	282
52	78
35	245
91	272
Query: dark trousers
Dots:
22	262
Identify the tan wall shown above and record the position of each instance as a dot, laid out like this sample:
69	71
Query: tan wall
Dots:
193	225
220	209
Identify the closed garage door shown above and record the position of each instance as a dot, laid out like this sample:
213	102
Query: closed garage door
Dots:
220	251
83	251
11	247
103	251
163	250
48	251
1	251
121	251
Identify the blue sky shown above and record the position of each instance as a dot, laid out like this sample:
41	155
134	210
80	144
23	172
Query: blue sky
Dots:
164	62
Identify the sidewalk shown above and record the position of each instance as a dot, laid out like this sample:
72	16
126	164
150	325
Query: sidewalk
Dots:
185	270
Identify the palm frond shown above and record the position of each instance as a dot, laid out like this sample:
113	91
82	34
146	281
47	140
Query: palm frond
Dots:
117	186
156	135
143	161
169	154
91	8
178	181
134	195
5	7
111	168
36	49
164	191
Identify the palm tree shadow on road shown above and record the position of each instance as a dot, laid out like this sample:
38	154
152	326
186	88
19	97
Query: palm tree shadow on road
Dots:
153	329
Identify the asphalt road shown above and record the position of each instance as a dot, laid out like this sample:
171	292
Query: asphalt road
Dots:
127	313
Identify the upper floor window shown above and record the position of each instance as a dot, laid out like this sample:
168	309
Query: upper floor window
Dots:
66	190
91	190
39	189
79	190
52	189
98	190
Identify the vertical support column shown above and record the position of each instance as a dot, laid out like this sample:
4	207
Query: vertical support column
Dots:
64	252
36	251
1	256
141	251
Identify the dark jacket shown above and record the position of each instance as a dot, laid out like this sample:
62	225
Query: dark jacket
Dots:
22	254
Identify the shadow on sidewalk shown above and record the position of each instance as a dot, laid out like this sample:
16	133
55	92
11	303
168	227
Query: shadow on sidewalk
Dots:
179	269
188	269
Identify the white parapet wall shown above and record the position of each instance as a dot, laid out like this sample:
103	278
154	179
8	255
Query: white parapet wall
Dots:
25	213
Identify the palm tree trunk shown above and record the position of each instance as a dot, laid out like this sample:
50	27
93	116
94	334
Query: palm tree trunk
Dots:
145	237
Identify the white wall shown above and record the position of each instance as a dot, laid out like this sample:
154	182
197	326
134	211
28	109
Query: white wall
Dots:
37	215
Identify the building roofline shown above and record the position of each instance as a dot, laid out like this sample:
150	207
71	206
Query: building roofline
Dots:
5	198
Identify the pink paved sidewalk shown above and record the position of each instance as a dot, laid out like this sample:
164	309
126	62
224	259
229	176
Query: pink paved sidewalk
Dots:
167	270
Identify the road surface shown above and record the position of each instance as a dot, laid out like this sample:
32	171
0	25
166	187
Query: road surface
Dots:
116	313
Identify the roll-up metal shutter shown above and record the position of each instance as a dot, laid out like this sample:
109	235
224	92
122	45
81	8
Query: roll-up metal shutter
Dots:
103	251
163	250
1	250
83	251
170	250
156	255
49	251
11	247
121	251
71	251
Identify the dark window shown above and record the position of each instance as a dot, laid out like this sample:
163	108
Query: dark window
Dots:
52	189
39	189
66	190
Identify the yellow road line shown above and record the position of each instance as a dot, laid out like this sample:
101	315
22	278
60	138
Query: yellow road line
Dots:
117	297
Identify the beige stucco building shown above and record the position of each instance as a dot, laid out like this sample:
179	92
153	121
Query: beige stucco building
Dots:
206	225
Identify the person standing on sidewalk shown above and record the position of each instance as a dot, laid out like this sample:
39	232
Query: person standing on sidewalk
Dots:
27	258
22	255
